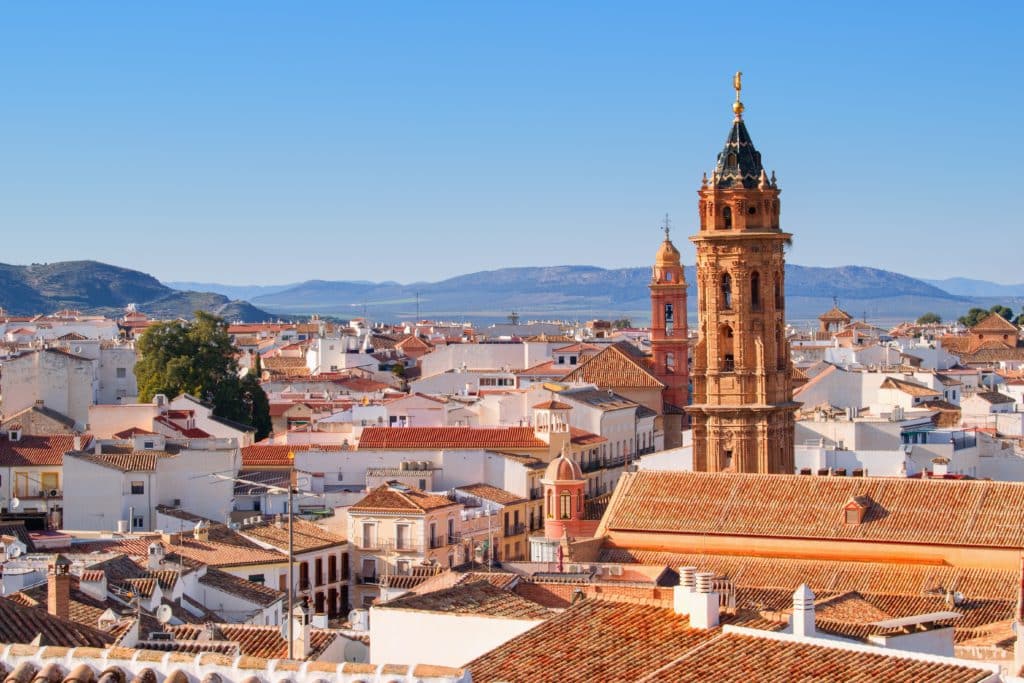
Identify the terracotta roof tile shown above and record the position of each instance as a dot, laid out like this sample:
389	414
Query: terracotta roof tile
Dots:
612	368
732	656
271	455
21	624
37	450
478	597
307	535
256	641
491	493
256	593
388	499
437	438
972	513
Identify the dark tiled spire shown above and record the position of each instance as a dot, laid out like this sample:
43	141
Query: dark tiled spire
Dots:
738	162
738	159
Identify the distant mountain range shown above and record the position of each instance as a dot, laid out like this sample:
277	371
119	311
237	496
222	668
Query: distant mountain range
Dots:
99	288
558	292
963	286
580	292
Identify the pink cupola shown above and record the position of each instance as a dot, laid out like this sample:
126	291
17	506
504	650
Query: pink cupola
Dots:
563	498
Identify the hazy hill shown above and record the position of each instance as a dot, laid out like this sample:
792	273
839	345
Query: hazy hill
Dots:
99	288
963	286
586	291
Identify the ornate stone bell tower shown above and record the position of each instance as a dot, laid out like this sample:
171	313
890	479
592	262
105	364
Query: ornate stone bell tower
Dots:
743	407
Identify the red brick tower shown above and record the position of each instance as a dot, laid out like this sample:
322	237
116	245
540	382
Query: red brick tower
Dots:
669	345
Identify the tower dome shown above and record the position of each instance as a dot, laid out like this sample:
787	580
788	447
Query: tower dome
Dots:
563	469
667	255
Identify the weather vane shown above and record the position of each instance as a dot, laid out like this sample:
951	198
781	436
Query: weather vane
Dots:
737	84
666	226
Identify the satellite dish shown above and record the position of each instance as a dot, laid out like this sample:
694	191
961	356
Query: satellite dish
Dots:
302	483
14	551
164	613
15	503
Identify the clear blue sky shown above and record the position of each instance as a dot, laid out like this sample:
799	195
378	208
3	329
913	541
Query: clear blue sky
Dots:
268	142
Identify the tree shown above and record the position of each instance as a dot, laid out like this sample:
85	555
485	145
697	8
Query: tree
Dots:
1004	311
622	323
929	319
198	358
976	315
1019	321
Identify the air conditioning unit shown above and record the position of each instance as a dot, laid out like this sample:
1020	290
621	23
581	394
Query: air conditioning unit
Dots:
615	570
161	635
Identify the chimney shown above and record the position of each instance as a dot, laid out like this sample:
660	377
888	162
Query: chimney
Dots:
802	619
155	558
682	594
300	632
704	605
77	442
58	587
940	467
97	447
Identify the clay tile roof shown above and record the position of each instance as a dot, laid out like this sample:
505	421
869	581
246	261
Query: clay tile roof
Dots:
491	493
614	367
835	314
20	624
994	322
257	641
126	460
388	499
437	438
132	432
909	388
582	437
994	397
614	641
271	455
478	598
37	450
552	405
973	513
727	655
255	593
545	369
307	535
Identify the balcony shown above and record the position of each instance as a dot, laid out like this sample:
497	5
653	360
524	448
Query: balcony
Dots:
368	544
536	493
591	465
367	579
442	541
515	529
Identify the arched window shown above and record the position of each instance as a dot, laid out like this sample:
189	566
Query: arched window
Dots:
726	290
727	217
670	363
755	291
782	350
730	160
565	505
725	349
778	292
551	504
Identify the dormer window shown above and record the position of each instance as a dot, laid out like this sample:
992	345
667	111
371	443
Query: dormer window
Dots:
855	510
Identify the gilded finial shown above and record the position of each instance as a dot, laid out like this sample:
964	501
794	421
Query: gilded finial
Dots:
737	84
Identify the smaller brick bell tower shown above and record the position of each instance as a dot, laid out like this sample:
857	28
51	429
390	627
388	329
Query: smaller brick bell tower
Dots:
669	345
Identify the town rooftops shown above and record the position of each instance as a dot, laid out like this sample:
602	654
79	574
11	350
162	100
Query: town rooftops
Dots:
613	367
994	397
307	535
994	322
37	450
909	388
274	455
126	459
396	498
253	640
491	493
21	624
964	513
451	438
250	591
480	598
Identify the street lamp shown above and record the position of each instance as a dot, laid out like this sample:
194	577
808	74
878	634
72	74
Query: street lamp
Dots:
272	488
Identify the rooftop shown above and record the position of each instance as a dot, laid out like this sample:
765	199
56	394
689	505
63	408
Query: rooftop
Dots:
450	438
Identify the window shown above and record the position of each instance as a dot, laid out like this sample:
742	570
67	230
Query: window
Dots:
138	488
402	536
369	535
148	445
138	522
318	571
727	218
403	568
726	287
332	568
423	484
121	373
725	348
565	505
670	363
50	481
778	292
730	160
572	360
257	578
755	291
550	505
727	460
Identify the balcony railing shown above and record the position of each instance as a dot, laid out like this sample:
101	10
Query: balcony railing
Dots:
442	541
536	493
515	529
368	579
591	465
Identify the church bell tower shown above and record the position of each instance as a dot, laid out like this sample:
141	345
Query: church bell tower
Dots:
743	409
669	344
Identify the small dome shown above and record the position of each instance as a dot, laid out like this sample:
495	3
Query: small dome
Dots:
668	255
563	469
552	405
